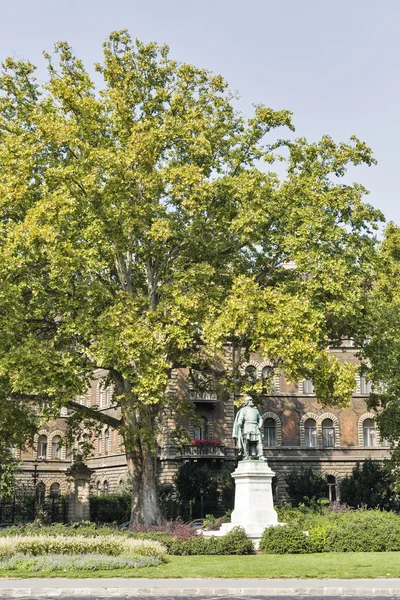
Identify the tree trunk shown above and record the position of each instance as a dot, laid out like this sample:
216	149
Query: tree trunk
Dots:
142	467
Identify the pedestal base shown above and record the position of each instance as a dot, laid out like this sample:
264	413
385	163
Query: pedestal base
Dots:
254	507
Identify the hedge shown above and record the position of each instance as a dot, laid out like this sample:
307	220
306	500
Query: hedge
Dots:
348	531
234	542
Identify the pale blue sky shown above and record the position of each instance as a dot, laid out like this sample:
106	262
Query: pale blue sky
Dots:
335	63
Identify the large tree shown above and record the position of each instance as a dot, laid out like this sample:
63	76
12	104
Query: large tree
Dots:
381	348
143	232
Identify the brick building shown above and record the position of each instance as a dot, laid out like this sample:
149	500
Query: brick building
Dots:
298	431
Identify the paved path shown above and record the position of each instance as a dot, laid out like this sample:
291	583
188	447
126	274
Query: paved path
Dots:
186	588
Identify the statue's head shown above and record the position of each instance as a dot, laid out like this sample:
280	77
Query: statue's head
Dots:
248	401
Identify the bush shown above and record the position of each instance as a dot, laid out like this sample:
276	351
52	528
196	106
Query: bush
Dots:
285	540
189	480
109	545
113	508
344	531
234	542
369	485
87	562
305	486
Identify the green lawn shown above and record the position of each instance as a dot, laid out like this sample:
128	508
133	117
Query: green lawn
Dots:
333	565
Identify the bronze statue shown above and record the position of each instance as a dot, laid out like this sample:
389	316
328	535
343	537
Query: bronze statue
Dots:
247	431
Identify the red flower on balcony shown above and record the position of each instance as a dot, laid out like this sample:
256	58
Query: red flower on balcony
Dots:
206	442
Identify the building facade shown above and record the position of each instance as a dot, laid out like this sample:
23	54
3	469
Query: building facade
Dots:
298	431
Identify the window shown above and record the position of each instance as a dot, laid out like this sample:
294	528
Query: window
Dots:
328	433
201	430
251	373
269	433
98	488
42	446
365	385
310	430
308	386
102	396
100	444
56	447
106	440
105	488
40	492
55	490
331	488
369	432
267	375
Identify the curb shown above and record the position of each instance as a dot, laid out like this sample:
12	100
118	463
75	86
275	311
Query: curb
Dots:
18	588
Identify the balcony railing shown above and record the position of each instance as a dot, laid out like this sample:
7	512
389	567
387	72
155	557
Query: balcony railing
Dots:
198	396
204	451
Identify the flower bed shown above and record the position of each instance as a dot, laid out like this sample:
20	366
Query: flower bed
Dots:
51	563
110	545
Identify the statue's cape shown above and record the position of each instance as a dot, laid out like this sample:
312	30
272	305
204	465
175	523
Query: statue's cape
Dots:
237	432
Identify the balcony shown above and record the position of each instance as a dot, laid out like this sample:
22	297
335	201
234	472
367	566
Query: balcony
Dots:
203	397
204	450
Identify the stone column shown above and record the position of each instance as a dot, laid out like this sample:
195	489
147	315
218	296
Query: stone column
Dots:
78	477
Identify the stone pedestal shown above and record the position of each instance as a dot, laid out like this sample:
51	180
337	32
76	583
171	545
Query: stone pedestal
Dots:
254	507
78	477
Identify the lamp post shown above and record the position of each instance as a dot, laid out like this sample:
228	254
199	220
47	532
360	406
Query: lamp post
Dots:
201	502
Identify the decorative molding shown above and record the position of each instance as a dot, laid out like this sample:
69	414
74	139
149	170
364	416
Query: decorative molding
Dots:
364	417
278	428
303	419
336	426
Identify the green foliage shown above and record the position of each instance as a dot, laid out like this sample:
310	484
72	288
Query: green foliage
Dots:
168	502
234	542
189	480
112	508
370	485
68	564
49	544
342	531
285	540
305	486
9	467
140	233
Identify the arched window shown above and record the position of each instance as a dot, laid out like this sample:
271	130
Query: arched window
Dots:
105	488
55	490
56	447
40	492
267	375
201	429
98	488
369	432
251	373
331	488
308	386
42	446
100	443
310	431
269	433
106	440
328	433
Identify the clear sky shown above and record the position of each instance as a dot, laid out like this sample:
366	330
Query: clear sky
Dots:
333	63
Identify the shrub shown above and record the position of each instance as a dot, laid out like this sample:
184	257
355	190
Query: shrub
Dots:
234	542
285	540
189	480
110	508
87	562
369	485
109	545
305	486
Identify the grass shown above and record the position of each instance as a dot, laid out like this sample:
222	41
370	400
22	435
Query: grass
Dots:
352	565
